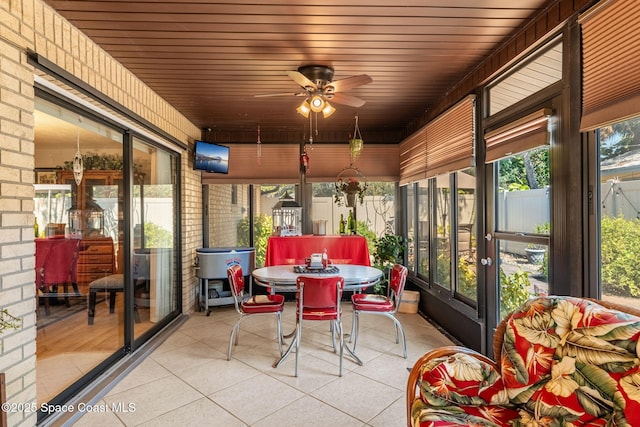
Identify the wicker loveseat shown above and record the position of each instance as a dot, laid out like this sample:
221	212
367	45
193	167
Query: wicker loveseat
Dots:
563	362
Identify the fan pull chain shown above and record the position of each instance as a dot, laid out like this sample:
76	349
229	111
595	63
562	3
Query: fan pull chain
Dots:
259	147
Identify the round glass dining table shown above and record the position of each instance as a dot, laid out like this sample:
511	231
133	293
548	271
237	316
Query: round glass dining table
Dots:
282	278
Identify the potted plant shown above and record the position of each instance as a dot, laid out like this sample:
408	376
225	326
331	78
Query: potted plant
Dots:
355	148
351	188
389	250
535	253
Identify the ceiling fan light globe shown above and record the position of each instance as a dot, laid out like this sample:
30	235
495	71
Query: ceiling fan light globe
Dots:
328	110
304	109
317	103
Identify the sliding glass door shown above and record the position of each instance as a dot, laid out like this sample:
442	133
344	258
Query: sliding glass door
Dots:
155	236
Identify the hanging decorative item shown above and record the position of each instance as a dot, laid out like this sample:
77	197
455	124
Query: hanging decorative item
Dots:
259	147
304	159
350	183
356	143
78	166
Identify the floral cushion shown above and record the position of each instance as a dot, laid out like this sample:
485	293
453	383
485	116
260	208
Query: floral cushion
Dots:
565	362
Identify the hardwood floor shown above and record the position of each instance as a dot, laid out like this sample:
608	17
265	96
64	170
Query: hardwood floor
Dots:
69	348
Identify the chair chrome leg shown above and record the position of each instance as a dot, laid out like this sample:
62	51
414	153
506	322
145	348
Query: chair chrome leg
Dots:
345	346
353	325
233	337
341	337
280	338
333	335
298	340
355	329
286	353
404	338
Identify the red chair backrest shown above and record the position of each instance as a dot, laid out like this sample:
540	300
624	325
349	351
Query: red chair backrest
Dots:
398	279
320	292
60	261
236	279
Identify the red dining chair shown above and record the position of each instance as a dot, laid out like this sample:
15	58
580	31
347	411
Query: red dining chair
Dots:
318	298
58	268
380	304
247	305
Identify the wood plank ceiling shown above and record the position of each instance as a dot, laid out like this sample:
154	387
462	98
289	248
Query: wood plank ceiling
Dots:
210	58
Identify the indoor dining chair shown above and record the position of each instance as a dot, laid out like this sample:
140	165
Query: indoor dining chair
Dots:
381	304
318	298
57	269
247	305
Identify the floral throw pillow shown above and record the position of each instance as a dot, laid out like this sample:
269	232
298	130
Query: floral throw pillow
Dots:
572	360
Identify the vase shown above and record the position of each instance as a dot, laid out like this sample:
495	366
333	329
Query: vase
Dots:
535	255
350	199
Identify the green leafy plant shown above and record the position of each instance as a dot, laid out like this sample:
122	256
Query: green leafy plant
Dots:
263	228
7	321
467	278
388	250
514	290
94	161
157	237
620	246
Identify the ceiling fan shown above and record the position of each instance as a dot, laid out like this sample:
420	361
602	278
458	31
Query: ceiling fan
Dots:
319	89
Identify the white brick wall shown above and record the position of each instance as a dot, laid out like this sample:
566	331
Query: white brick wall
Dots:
31	24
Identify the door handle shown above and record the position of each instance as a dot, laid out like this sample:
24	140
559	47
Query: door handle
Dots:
486	261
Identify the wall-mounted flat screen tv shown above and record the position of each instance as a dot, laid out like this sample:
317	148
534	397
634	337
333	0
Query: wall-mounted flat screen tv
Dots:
211	157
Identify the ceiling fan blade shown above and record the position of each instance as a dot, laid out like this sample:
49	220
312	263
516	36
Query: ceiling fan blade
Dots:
344	85
302	80
281	94
352	101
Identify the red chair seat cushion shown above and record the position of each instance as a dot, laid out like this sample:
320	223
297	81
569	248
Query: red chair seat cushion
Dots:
370	302
263	304
317	313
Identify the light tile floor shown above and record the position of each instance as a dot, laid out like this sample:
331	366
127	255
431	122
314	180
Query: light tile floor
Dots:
187	380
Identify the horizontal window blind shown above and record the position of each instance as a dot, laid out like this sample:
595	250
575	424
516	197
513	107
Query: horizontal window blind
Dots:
377	162
278	164
611	63
520	135
413	158
450	139
445	144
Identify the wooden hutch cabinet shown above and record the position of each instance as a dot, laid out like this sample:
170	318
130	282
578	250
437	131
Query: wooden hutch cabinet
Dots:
99	254
96	259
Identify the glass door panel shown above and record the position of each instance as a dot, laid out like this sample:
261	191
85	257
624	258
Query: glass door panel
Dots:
443	232
619	209
72	337
424	229
522	227
154	209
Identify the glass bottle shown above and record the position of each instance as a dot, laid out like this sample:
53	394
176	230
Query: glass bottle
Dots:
36	229
351	226
341	224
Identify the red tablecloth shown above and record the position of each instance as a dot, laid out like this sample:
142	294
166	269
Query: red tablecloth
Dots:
294	249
